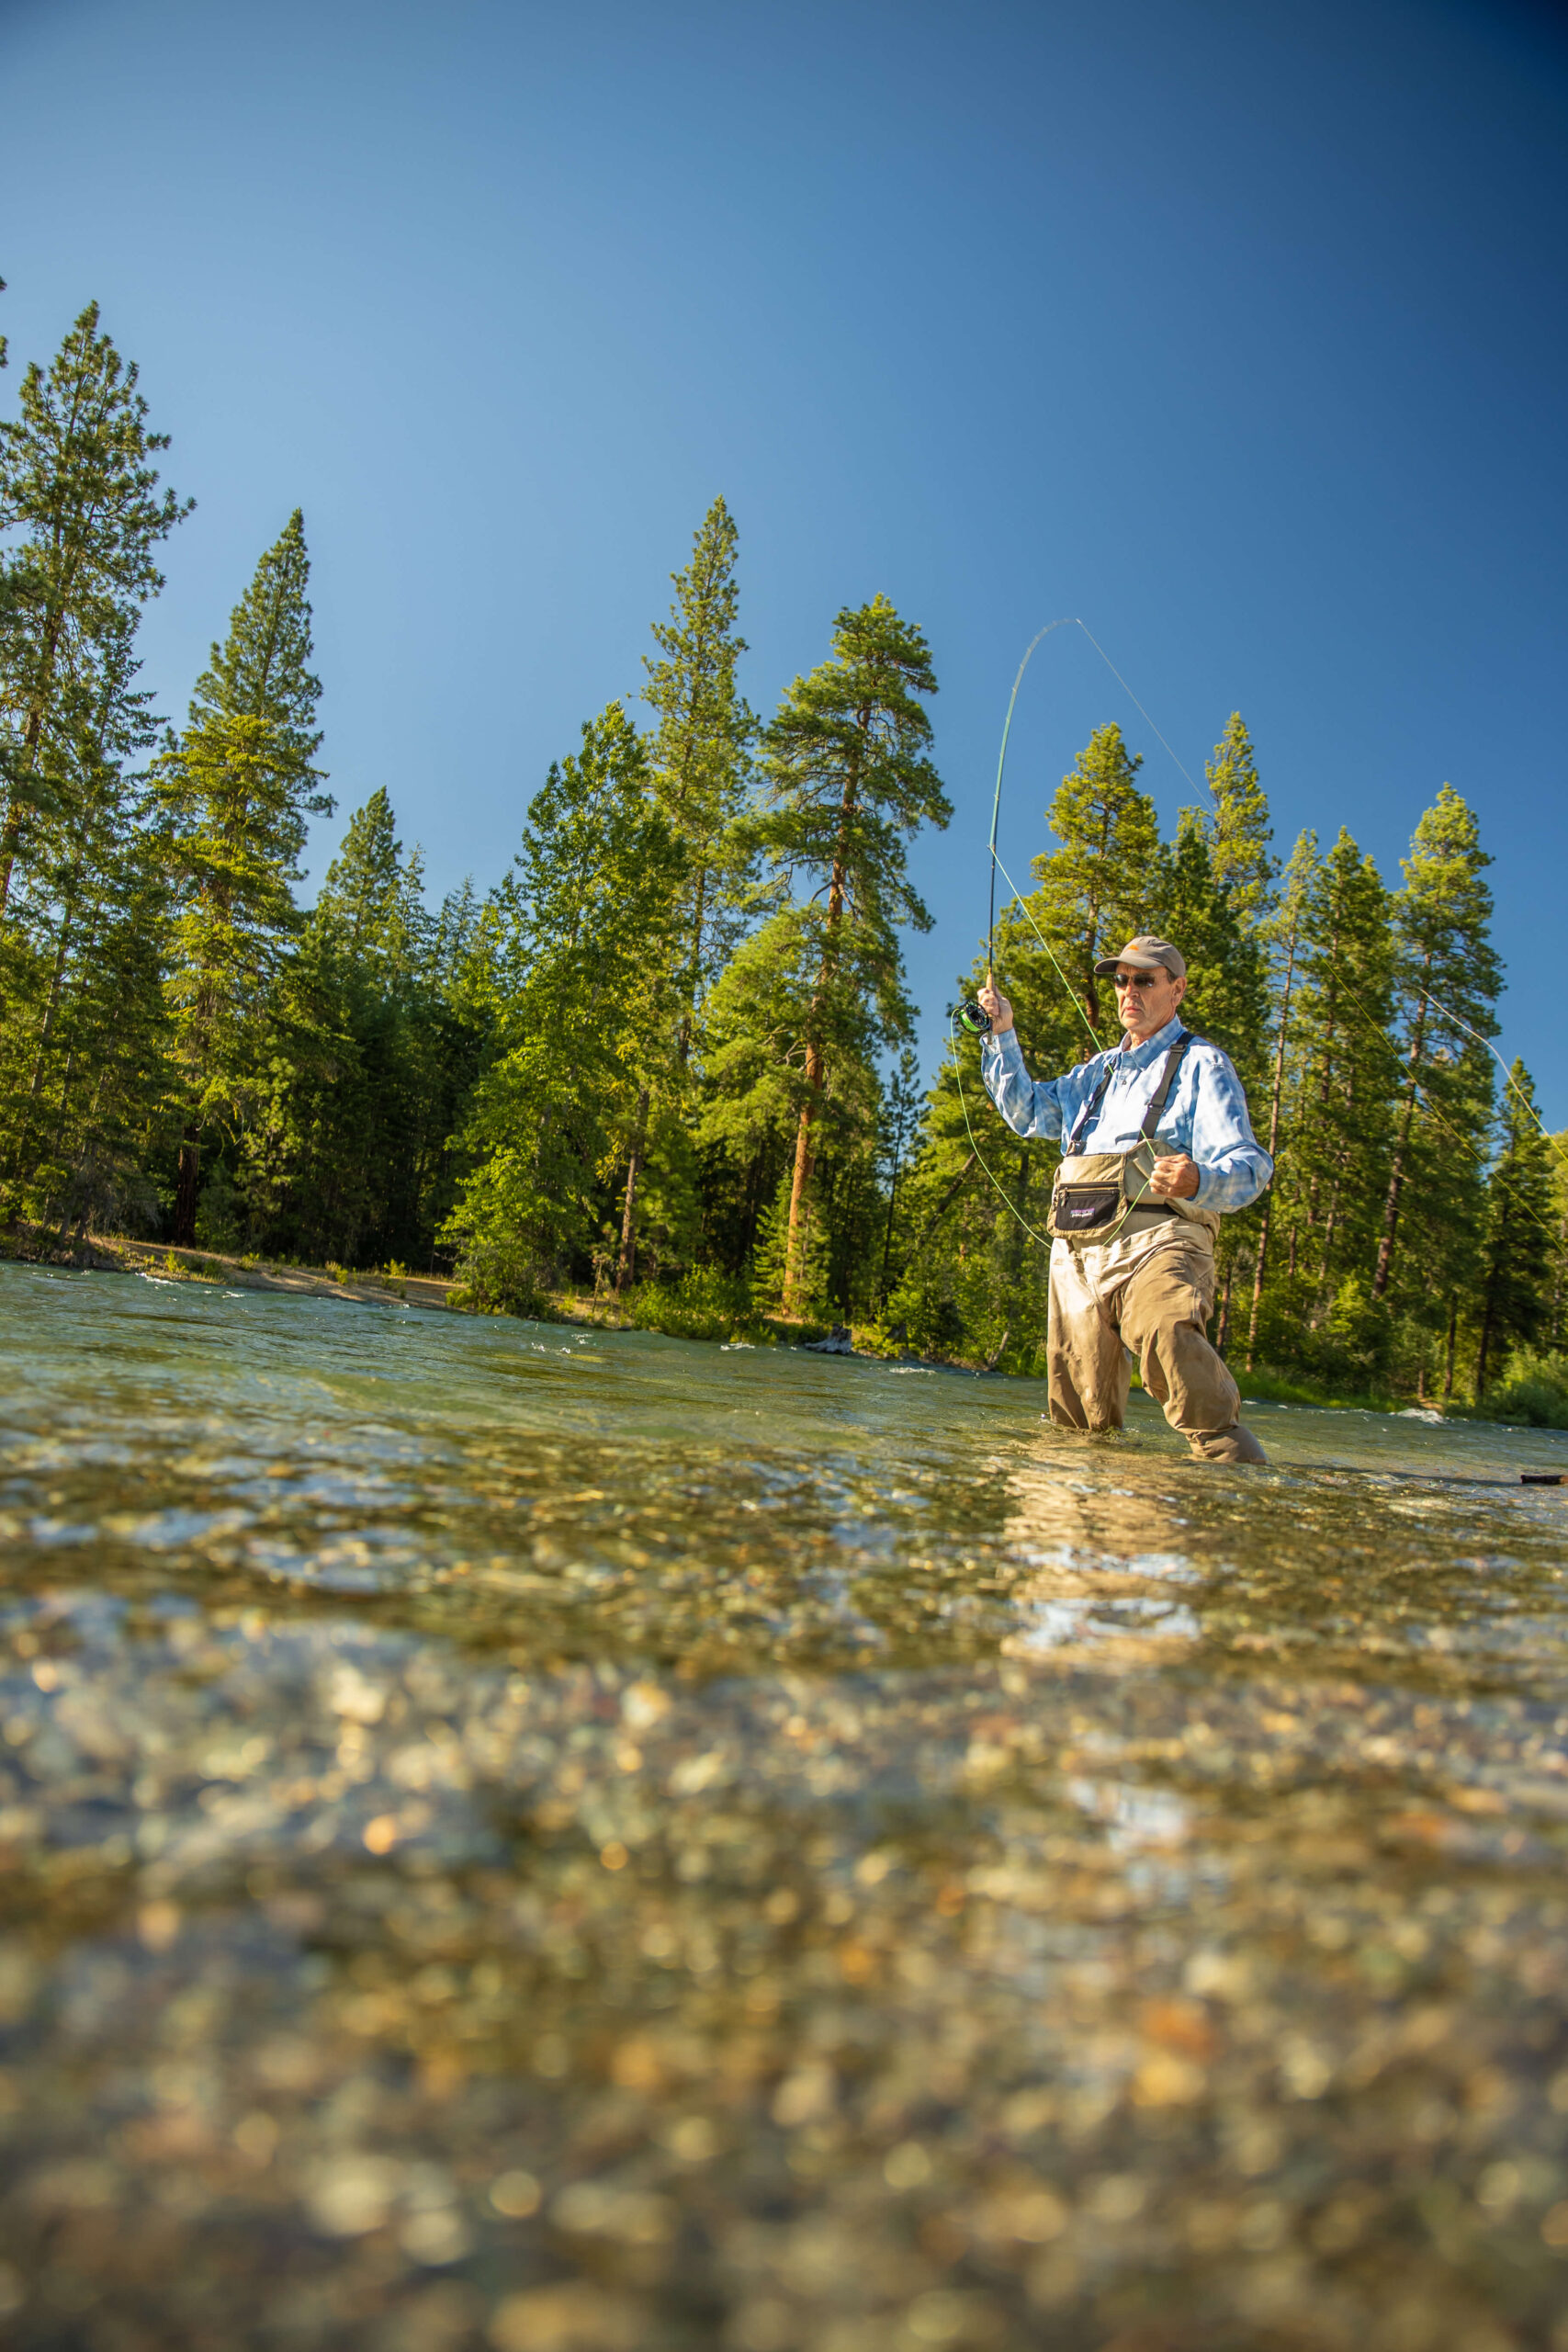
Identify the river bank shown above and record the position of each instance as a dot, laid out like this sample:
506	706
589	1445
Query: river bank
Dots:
651	1308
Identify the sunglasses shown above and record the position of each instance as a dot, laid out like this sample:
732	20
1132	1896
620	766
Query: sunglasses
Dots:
1140	979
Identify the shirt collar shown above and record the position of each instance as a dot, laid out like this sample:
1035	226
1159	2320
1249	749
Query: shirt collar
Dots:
1140	1057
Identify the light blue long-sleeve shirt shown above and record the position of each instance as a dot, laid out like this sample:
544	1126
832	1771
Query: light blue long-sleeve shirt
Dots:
1205	1117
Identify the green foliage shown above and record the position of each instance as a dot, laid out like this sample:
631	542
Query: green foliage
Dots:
850	779
699	759
703	1304
1533	1390
1096	889
81	899
1228	994
501	1277
569	963
1519	1238
237	789
1238	827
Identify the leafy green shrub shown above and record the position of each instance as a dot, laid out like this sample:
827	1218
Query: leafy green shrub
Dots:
1533	1392
704	1305
501	1278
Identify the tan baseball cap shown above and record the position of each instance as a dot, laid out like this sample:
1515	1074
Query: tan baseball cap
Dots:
1145	954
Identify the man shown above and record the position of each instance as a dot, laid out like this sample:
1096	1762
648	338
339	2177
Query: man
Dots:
1150	1288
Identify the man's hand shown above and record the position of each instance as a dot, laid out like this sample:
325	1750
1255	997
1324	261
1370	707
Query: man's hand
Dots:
1175	1179
993	1001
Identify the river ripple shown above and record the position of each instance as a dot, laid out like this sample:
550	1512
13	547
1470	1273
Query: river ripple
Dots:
543	1841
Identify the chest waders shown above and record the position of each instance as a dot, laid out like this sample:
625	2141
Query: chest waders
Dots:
1097	1193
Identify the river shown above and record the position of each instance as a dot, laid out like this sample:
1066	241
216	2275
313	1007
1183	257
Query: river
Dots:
527	1840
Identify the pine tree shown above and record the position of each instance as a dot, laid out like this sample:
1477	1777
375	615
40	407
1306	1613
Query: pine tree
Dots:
239	786
1336	1153
1226	1000
1448	978
700	779
1227	995
1284	937
361	1068
1096	889
570	954
1238	827
850	778
81	867
903	1132
1517	1249
699	756
77	480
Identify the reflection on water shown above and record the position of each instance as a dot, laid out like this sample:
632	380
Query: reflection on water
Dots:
532	1841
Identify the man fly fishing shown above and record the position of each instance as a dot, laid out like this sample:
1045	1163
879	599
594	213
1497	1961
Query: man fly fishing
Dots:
1157	1147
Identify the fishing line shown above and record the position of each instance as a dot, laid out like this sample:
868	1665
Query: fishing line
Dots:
999	1189
1022	905
1508	1076
976	1022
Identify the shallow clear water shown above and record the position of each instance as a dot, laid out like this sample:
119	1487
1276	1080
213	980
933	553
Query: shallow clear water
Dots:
523	1840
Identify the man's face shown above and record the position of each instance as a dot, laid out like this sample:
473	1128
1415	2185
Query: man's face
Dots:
1147	1001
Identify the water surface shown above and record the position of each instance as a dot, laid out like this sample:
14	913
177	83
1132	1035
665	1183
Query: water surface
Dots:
528	1839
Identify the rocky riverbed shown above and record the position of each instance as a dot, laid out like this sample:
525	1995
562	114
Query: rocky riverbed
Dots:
532	1840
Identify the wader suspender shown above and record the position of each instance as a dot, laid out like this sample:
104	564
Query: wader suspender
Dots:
1156	1111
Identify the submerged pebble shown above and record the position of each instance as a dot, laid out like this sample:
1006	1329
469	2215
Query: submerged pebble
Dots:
679	1851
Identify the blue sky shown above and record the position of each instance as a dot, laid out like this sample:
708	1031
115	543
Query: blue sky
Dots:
1239	331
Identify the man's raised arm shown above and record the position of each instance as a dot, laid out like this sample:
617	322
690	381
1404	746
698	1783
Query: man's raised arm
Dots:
1030	1107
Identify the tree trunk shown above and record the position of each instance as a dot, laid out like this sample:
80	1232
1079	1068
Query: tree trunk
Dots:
185	1189
1223	1331
1483	1348
627	1266
888	1236
794	1272
1449	1357
815	1069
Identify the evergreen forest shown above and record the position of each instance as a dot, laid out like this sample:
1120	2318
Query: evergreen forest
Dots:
667	1060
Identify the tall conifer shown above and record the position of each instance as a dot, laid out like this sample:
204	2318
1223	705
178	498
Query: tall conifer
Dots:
571	952
699	754
1447	977
1336	1149
239	786
1098	888
1517	1246
850	779
1284	937
1238	828
78	482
